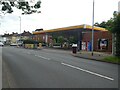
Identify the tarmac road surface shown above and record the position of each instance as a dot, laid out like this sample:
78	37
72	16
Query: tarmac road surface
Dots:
48	68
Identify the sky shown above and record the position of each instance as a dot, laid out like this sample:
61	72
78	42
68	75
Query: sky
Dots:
58	14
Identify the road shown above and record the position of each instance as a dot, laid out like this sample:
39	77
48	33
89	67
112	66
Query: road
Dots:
48	68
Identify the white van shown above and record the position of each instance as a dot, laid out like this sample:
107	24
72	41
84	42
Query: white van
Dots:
1	44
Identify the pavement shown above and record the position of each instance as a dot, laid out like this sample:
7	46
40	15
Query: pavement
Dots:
50	68
98	56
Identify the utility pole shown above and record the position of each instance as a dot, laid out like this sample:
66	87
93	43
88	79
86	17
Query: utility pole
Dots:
0	20
20	27
119	7
0	24
93	29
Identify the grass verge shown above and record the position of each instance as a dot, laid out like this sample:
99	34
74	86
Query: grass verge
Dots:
112	59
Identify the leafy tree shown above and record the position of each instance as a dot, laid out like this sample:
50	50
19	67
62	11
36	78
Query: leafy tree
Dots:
30	41
116	30
96	24
103	24
60	39
109	24
6	6
54	40
72	40
113	25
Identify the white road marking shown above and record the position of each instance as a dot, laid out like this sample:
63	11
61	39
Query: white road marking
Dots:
43	57
90	72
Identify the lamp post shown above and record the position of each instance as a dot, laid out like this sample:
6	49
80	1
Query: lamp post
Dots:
20	41
20	27
93	29
0	22
119	7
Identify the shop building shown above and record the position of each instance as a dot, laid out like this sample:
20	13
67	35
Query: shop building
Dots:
82	37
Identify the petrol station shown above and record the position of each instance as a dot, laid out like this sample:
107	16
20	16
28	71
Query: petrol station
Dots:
81	33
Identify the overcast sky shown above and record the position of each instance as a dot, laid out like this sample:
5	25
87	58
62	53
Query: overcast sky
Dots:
59	13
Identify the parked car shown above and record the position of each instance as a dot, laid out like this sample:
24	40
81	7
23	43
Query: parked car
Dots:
13	44
1	44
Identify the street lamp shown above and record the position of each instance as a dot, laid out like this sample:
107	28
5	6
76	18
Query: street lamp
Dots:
0	22
119	7
20	41
20	27
93	29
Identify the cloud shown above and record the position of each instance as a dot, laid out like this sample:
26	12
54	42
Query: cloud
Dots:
60	13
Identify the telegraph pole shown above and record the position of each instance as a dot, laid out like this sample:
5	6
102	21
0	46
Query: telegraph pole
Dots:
119	7
93	29
20	27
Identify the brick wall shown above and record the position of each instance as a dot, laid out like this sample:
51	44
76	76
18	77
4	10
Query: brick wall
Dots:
99	35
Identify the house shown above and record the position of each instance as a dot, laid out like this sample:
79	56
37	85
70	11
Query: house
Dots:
7	38
25	35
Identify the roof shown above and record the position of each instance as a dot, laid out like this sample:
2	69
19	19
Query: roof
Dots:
84	26
26	33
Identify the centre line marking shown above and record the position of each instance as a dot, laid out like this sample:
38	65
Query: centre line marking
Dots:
43	57
93	73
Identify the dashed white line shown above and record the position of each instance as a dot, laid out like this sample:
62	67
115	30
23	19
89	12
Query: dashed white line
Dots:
90	72
43	57
84	70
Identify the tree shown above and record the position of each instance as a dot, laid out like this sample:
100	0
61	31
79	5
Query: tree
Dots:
6	6
103	24
30	41
72	40
113	25
109	24
116	24
116	30
60	39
